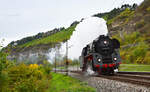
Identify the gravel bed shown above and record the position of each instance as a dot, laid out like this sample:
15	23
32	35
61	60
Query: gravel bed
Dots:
106	85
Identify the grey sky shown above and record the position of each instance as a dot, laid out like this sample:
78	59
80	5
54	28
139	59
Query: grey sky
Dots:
21	18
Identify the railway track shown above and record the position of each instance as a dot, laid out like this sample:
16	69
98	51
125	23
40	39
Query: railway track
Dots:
121	72
138	73
134	76
128	79
137	78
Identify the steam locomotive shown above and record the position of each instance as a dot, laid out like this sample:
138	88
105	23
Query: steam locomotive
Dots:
102	56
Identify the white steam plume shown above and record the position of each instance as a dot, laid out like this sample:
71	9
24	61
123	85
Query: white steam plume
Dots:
86	31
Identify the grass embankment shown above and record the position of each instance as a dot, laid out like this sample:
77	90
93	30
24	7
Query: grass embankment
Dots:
63	83
55	38
135	67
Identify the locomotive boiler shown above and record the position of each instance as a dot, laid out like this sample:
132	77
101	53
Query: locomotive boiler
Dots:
101	56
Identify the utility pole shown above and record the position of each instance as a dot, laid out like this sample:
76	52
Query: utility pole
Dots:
55	62
67	57
67	62
61	65
77	65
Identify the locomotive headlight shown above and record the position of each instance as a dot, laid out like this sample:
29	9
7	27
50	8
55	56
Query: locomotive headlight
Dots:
115	58
99	60
105	42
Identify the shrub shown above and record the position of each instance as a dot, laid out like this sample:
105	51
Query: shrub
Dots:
30	78
140	50
4	78
135	54
131	38
127	39
125	14
3	61
23	78
148	9
140	24
147	58
4	82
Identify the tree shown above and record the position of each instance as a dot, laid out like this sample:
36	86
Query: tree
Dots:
134	6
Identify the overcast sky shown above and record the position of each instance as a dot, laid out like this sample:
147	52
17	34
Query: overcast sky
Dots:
21	18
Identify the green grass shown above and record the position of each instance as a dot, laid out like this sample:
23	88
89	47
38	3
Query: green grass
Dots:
63	83
61	67
135	67
55	38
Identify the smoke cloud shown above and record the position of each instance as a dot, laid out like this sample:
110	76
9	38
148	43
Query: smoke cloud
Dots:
86	31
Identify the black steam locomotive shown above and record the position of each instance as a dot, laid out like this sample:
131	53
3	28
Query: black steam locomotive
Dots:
101	56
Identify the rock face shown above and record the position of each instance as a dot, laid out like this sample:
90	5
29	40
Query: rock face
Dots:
28	56
33	55
106	85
